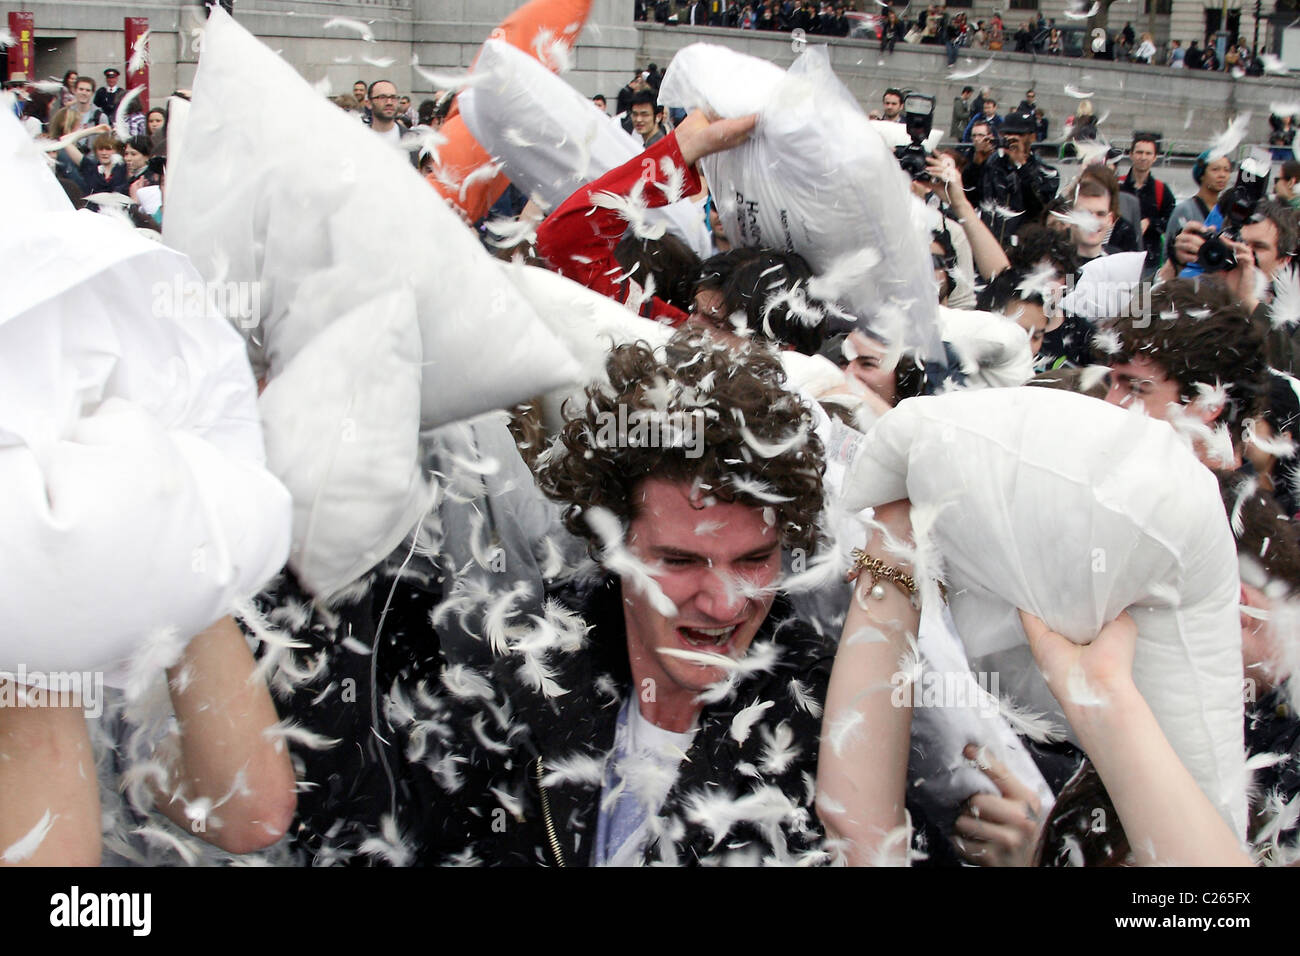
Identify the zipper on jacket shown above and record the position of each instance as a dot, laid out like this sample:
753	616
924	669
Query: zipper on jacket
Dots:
547	821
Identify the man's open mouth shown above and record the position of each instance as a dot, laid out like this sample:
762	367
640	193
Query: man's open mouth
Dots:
712	637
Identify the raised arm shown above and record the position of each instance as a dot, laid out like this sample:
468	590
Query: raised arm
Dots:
862	767
49	794
1167	819
222	753
984	246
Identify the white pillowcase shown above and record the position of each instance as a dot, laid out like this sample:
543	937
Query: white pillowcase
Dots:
325	216
135	500
551	139
816	179
342	432
1076	510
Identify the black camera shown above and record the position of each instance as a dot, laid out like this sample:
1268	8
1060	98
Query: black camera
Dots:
918	119
1238	207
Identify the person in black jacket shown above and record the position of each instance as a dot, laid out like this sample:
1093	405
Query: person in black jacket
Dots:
1017	185
670	713
109	96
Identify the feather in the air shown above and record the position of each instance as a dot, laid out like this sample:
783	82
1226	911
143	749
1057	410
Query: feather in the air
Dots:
618	560
1228	140
1078	94
288	730
968	73
1284	311
390	844
383	62
139	53
743	723
1082	14
356	26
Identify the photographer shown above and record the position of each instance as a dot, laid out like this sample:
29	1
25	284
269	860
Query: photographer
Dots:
1017	186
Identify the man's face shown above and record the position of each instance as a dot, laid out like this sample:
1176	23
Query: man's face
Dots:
1029	97
706	560
110	80
1143	382
383	101
1217	174
85	92
893	105
104	154
404	104
1143	157
1262	238
1284	188
643	119
982	139
1099	207
990	109
359	92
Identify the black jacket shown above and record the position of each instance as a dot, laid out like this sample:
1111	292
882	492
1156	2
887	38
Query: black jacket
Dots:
507	816
1025	190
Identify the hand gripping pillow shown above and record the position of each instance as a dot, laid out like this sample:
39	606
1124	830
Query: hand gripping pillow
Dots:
551	140
815	179
342	428
134	496
1076	510
323	223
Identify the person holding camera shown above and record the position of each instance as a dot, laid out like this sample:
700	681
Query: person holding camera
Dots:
1017	185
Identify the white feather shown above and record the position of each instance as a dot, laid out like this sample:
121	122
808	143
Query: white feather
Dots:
288	730
1084	15
1227	141
383	62
356	26
578	768
743	723
139	53
674	185
484	173
1078	94
1285	308
618	560
390	844
164	838
967	74
633	210
25	846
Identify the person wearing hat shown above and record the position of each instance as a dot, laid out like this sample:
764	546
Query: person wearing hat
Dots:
110	94
1017	185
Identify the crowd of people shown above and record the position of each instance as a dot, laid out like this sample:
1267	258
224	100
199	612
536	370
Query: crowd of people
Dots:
606	638
957	31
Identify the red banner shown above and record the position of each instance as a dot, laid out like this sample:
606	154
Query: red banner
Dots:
22	55
136	31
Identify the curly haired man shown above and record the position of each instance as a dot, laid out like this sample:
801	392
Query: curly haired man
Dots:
678	721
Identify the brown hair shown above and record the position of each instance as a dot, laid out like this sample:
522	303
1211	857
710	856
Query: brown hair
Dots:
1082	828
1200	334
725	388
1099	180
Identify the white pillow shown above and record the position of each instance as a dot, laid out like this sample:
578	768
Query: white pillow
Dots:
588	323
816	179
1076	510
134	496
323	216
551	139
342	431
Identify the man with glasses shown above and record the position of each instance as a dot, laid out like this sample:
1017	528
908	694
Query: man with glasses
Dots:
972	175
383	110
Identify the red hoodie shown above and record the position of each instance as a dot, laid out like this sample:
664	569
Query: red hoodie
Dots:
578	239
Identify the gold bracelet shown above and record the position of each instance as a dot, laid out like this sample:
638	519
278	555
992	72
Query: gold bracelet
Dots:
879	572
